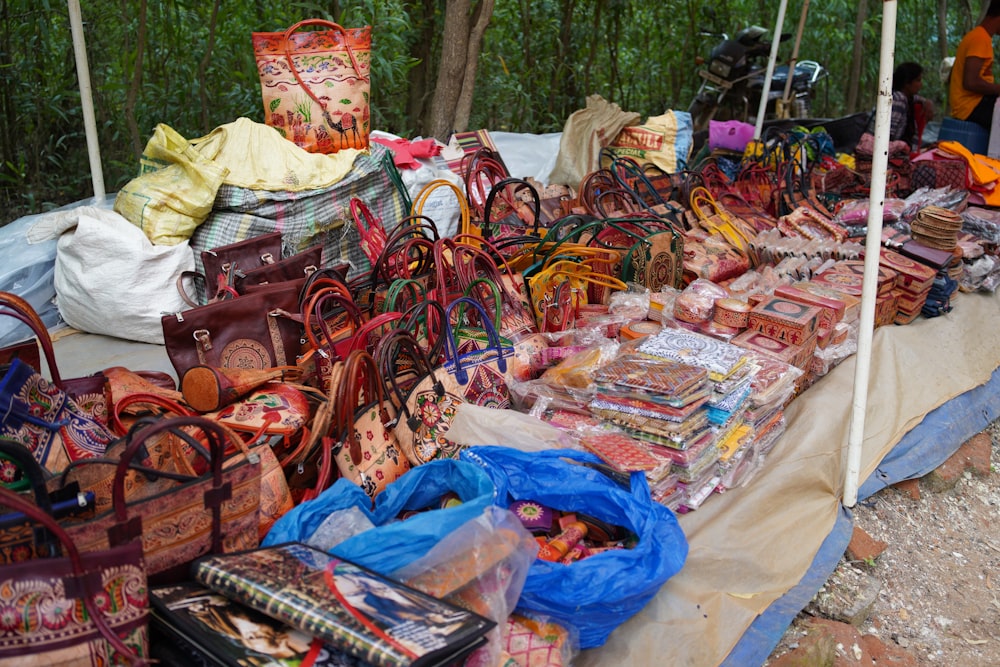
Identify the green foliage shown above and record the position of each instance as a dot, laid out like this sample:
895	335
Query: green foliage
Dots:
540	60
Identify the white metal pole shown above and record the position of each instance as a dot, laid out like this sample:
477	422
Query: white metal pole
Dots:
785	105
86	99
873	244
762	107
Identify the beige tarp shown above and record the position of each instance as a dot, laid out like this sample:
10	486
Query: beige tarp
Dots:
751	545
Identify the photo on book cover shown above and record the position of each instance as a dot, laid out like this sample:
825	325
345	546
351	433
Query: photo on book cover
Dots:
223	632
347	606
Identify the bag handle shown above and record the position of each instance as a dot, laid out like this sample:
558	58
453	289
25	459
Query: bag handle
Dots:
499	189
80	573
453	360
34	474
22	310
361	385
425	192
418	314
388	351
291	64
125	529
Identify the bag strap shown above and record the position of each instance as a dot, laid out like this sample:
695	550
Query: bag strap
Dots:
80	573
453	360
285	39
500	189
425	192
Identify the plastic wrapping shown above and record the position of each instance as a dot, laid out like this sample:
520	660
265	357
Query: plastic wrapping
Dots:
855	211
482	566
984	223
696	303
393	544
594	595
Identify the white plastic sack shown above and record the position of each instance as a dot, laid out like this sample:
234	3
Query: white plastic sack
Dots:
111	280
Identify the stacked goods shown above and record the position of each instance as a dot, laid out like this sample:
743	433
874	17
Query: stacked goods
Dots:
784	329
913	283
847	276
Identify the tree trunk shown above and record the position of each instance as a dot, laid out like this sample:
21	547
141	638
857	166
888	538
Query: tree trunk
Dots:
132	94
463	111
854	81
419	74
563	49
451	70
203	69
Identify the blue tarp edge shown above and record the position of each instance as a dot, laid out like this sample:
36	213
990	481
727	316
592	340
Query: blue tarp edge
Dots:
921	450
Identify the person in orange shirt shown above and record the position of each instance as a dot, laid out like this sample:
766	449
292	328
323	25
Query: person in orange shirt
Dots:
972	90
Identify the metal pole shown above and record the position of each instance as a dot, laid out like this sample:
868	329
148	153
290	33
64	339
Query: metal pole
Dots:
873	244
86	99
762	108
785	106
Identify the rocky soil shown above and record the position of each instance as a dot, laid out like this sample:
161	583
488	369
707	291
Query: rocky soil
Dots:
920	584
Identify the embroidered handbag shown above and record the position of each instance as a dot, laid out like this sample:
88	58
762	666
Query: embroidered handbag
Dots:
475	376
362	440
316	84
84	609
215	512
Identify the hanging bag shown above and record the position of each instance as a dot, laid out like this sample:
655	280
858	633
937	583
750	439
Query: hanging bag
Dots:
316	85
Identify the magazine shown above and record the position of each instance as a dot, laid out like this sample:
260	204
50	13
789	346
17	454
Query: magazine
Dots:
210	629
353	609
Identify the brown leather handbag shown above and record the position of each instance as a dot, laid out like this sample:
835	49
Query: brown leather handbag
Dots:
258	330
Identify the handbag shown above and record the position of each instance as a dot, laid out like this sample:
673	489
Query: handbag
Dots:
248	254
315	84
257	330
655	259
362	440
295	268
370	229
215	512
83	609
474	376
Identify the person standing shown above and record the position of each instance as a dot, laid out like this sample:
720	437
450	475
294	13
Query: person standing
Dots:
972	90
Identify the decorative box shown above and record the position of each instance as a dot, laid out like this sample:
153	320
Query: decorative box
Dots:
846	282
732	313
852	304
785	320
796	355
913	276
831	310
886	307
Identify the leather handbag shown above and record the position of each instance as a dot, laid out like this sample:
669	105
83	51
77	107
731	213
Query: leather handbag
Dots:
655	255
215	512
475	375
82	609
248	254
316	84
258	330
361	439
295	268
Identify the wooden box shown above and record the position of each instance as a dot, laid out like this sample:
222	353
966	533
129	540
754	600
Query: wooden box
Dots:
785	320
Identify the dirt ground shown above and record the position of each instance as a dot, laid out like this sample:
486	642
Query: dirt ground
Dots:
939	576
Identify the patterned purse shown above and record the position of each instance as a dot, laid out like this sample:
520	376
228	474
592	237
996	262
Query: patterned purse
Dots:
215	512
363	443
469	375
81	609
316	84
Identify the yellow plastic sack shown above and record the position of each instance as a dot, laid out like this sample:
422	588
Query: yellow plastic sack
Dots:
174	191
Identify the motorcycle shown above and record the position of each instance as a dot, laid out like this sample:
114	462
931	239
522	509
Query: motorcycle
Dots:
733	80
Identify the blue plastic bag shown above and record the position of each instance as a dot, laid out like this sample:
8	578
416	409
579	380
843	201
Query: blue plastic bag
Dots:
597	594
394	544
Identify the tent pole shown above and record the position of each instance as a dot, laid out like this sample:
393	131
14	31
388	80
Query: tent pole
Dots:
785	103
762	107
86	99
873	244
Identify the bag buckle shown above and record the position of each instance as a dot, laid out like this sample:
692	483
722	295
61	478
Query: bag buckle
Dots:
203	338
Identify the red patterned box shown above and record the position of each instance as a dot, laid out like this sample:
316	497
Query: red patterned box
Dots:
799	356
831	310
852	304
785	320
913	276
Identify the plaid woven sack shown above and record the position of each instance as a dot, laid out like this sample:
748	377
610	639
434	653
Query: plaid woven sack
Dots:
307	218
935	174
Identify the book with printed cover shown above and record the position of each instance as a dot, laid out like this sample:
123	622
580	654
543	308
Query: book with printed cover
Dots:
196	626
348	607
